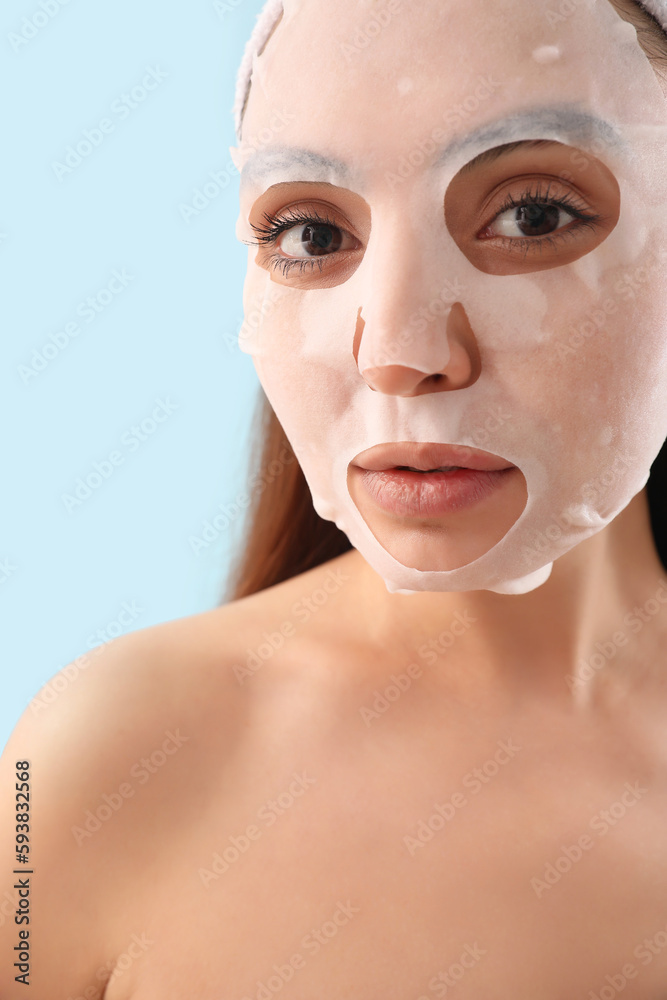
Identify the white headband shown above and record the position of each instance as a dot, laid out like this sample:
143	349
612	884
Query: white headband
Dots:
264	25
272	10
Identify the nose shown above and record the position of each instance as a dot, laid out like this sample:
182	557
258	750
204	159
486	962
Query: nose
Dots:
455	363
412	334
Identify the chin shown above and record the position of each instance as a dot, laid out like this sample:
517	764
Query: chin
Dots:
449	542
433	548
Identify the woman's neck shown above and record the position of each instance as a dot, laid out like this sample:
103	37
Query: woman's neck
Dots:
604	606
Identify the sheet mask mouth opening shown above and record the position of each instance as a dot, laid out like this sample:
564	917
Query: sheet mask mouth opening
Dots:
437	519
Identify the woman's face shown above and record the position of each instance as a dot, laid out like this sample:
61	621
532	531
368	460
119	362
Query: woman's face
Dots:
461	220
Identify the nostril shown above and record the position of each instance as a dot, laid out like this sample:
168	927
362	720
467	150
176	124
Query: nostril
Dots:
358	330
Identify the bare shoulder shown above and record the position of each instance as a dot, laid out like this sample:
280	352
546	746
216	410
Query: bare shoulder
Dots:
71	807
184	671
114	700
123	747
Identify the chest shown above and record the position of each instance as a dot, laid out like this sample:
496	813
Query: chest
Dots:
368	876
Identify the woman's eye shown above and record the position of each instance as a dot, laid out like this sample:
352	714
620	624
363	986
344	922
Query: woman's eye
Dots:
313	239
530	212
298	243
531	219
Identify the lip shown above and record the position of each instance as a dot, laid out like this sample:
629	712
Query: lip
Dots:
428	494
427	455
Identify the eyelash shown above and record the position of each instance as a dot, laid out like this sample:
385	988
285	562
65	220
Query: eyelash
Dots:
273	227
537	196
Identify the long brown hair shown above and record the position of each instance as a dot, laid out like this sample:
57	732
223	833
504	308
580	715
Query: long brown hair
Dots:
283	535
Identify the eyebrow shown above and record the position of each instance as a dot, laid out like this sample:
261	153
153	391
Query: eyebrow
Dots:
314	166
557	122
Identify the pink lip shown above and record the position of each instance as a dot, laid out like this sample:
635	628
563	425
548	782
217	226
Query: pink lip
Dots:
430	494
425	455
400	491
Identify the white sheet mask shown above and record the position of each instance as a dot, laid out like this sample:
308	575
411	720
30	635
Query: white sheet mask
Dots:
565	343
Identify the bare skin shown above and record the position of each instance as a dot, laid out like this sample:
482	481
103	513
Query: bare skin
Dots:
328	792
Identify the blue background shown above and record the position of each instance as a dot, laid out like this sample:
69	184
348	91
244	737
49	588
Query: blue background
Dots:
167	334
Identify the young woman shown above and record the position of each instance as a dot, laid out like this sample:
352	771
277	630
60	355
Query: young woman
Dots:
434	763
